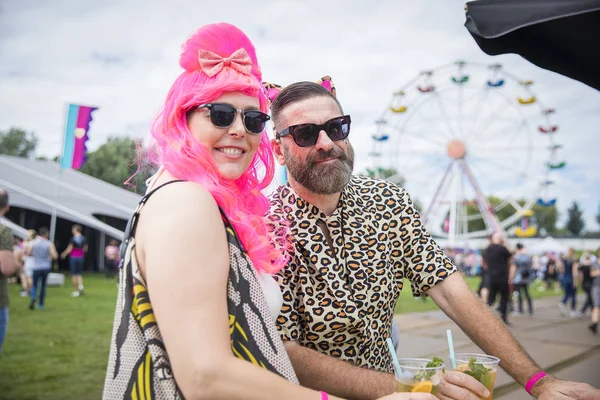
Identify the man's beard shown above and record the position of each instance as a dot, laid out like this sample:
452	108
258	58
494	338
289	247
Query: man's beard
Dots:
322	178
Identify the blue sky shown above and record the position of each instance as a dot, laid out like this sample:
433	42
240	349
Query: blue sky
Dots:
123	56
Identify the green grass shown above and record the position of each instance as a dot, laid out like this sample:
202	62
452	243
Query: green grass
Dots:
62	351
59	352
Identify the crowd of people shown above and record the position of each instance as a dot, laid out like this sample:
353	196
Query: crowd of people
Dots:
227	293
29	262
509	273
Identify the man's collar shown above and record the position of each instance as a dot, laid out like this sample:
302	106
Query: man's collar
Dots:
307	209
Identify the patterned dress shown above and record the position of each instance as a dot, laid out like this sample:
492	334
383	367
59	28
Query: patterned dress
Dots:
139	366
339	294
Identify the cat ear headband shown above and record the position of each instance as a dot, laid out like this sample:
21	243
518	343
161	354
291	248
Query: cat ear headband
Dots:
273	89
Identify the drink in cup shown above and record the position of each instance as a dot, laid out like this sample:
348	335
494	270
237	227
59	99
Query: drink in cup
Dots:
480	366
419	375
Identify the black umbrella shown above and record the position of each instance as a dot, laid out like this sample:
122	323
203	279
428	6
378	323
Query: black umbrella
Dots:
559	35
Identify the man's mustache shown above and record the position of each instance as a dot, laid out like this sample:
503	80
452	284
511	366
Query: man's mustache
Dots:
324	155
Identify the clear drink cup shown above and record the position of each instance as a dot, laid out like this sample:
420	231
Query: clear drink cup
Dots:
419	375
480	366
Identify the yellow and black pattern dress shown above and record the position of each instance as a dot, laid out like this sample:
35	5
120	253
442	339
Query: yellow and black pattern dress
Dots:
138	364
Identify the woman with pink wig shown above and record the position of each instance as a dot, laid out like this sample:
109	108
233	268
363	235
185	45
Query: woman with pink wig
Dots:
196	304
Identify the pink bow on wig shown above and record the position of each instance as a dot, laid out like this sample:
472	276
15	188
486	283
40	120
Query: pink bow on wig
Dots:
212	63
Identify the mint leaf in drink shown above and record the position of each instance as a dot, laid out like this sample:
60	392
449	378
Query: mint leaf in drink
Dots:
479	372
426	374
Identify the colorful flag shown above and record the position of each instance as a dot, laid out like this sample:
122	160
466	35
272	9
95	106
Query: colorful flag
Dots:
76	135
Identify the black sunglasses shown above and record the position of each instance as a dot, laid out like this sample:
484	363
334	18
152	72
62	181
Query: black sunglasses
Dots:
306	135
222	116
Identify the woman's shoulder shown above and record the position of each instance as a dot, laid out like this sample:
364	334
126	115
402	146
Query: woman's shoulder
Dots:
179	193
181	203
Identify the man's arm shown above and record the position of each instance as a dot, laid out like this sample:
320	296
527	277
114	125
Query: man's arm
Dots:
52	251
67	251
340	378
477	320
511	272
321	372
8	265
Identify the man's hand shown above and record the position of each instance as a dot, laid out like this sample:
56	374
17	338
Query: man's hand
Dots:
550	388
460	386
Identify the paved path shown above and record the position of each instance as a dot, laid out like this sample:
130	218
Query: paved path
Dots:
561	345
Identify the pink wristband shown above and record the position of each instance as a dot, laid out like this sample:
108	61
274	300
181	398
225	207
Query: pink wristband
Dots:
324	396
533	380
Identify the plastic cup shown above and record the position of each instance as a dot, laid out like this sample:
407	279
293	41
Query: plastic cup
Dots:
416	377
481	366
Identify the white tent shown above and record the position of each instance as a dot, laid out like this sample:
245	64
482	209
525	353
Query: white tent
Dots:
548	244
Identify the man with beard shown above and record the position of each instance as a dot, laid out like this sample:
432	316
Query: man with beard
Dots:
352	241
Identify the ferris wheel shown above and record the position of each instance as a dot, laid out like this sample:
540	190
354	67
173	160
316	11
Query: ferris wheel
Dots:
474	145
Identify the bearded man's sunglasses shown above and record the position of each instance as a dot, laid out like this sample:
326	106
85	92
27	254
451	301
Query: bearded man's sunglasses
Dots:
306	135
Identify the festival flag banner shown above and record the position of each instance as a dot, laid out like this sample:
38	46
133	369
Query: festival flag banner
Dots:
76	136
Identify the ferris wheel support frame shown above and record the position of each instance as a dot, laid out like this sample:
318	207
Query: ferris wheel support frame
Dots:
452	224
490	218
435	196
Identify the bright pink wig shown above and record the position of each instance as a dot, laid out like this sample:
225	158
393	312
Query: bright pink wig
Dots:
185	158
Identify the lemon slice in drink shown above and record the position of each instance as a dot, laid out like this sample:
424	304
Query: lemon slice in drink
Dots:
463	368
423	387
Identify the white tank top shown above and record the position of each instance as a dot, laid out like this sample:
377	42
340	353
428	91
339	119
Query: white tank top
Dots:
272	293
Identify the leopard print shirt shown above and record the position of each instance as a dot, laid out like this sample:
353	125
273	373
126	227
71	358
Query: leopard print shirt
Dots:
340	301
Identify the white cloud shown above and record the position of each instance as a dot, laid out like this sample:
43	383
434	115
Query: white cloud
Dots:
123	56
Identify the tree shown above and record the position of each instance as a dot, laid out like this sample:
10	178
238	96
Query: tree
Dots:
17	142
575	223
546	218
116	162
56	159
478	224
598	216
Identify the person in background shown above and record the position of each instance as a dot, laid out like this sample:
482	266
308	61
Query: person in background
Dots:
522	277
551	275
536	267
76	250
588	254
568	266
497	258
19	252
28	261
595	273
586	279
8	266
43	253
484	285
111	259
